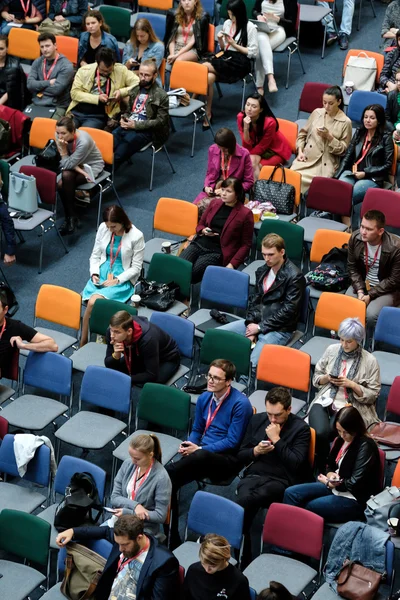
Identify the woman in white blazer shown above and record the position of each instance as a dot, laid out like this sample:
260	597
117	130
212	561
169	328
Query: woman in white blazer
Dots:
115	262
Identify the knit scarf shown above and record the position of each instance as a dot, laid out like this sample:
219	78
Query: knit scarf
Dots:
341	356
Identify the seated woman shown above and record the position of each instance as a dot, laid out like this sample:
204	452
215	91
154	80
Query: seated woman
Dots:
260	135
392	110
143	44
390	24
186	36
323	139
214	576
238	42
26	14
78	151
391	66
12	78
224	233
353	475
142	486
369	157
115	262
68	14
281	16
345	374
225	159
96	35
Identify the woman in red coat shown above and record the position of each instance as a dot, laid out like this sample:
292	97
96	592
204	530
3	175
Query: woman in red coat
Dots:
260	134
224	233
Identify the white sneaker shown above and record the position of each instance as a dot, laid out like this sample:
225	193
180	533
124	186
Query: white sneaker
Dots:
89	171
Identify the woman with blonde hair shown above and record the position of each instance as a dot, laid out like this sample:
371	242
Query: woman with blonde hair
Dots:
143	44
214	577
187	33
142	486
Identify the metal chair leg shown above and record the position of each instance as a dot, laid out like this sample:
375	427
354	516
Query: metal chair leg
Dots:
99	207
41	248
289	60
60	237
152	167
220	94
195	119
359	16
373	8
301	60
169	160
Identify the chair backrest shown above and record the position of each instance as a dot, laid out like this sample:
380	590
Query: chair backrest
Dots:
211	38
209	513
292	177
290	130
176	216
11	371
58	305
332	309
335	198
158	22
324	240
3	427
396	475
104	142
292	234
102	312
386	201
189	75
49	371
284	366
42	130
118	19
38	470
69	47
225	287
25	535
359	100
157	4
228	345
380	59
311	450
106	388
387	328
23	43
382	461
294	529
69	465
164	406
393	401
311	96
161	70
46	183
181	330
165	268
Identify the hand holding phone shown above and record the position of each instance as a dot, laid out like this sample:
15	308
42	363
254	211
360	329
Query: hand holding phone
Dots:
265	442
111	510
336	480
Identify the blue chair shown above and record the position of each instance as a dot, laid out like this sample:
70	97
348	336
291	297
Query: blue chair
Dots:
387	331
253	594
209	7
25	499
104	388
66	469
359	100
210	513
47	371
157	22
182	331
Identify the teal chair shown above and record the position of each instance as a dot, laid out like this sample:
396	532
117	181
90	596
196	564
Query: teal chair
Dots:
119	21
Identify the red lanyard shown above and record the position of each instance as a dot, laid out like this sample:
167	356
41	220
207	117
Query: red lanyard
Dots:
365	149
25	7
186	32
108	84
367	266
128	349
230	35
47	77
342	452
137	484
225	167
2	328
112	257
141	105
123	562
211	417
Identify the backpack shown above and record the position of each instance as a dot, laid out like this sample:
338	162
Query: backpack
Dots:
331	275
81	496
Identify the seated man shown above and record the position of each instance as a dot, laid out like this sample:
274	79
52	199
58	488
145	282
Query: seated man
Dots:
275	453
346	24
50	78
137	567
148	116
222	415
374	266
97	90
141	349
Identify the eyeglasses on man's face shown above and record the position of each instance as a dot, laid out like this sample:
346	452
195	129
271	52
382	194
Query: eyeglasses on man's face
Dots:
214	378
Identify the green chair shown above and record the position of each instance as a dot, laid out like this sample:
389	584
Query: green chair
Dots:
92	353
27	537
119	21
5	175
249	9
294	242
165	407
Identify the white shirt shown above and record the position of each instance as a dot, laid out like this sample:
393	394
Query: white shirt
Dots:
269	280
276	9
372	276
252	39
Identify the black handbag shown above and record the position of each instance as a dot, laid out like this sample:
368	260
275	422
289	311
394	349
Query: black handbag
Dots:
158	296
280	194
49	158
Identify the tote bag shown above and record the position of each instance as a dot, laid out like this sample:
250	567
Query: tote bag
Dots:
279	194
361	69
22	194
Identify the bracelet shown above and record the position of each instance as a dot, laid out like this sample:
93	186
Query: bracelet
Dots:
114	357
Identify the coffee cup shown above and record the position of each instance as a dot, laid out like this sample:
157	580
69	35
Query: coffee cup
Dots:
135	300
166	247
256	214
349	87
393	524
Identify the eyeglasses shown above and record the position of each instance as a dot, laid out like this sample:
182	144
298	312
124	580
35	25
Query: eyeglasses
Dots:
214	378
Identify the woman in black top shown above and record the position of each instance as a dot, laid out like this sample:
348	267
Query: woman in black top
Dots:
214	577
12	78
186	36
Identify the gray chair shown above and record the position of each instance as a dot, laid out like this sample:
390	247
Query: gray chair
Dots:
318	14
54	593
325	593
291	45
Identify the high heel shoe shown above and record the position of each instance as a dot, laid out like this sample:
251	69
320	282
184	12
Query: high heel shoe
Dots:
69	226
206	125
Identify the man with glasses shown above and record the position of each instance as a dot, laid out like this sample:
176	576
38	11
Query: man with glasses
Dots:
222	415
275	452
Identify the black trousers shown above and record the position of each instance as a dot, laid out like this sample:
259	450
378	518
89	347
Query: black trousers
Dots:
67	185
321	419
200	259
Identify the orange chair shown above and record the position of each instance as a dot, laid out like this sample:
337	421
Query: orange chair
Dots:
173	216
380	59
324	240
283	366
396	475
69	47
161	71
211	38
331	310
23	43
292	177
290	130
311	450
41	132
393	169
157	4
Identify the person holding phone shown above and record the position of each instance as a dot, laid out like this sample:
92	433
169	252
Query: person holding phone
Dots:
143	44
352	476
186	36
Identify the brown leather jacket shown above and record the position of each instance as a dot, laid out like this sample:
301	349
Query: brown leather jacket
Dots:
389	265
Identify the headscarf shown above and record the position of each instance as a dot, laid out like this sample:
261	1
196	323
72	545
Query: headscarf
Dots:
343	356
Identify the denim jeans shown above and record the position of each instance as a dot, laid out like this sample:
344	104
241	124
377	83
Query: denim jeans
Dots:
5	28
317	498
127	142
360	186
347	17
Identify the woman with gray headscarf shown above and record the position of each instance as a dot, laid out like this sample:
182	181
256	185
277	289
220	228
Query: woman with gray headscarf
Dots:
345	374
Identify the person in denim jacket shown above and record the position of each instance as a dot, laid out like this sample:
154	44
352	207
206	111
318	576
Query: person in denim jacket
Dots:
96	35
143	44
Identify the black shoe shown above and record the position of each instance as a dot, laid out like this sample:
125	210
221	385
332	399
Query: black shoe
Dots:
343	41
206	124
332	37
69	226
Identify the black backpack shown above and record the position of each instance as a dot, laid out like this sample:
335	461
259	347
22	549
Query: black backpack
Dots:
81	496
331	275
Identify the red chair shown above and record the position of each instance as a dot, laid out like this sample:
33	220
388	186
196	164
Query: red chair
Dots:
311	96
392	406
3	427
386	201
19	125
181	574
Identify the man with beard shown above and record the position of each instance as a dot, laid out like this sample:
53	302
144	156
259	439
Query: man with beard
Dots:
137	567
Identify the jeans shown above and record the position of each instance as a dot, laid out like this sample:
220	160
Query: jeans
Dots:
5	28
347	17
373	310
360	186
128	142
317	498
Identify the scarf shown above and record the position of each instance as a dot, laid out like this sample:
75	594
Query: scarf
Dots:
341	356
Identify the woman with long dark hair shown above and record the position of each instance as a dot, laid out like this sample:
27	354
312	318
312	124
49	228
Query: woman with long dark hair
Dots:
187	32
387	78
97	35
259	131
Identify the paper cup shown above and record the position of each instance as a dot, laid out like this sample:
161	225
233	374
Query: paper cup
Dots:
392	526
135	300
166	247
349	87
256	214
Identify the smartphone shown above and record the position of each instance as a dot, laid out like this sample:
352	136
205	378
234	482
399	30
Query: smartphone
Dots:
107	509
185	444
265	443
209	229
335	480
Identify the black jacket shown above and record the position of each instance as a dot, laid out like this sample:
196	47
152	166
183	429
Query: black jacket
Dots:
288	22
392	109
13	81
159	576
200	30
390	67
288	462
378	160
7	226
360	467
279	308
153	347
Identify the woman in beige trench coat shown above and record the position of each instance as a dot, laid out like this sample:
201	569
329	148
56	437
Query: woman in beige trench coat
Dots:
323	139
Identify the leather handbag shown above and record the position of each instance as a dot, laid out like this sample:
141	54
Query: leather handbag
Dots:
49	158
279	194
356	582
83	569
387	434
377	509
158	296
22	193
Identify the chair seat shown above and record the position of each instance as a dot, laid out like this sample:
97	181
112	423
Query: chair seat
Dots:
389	365
169	446
186	111
6	392
99	179
251	270
90	430
316	347
257	399
188	553
324	593
91	354
33	412
312	224
201	316
153	246
285	218
38	217
25	161
313	14
235	384
18	580
176	309
291	573
48	515
21	498
282	47
53	593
